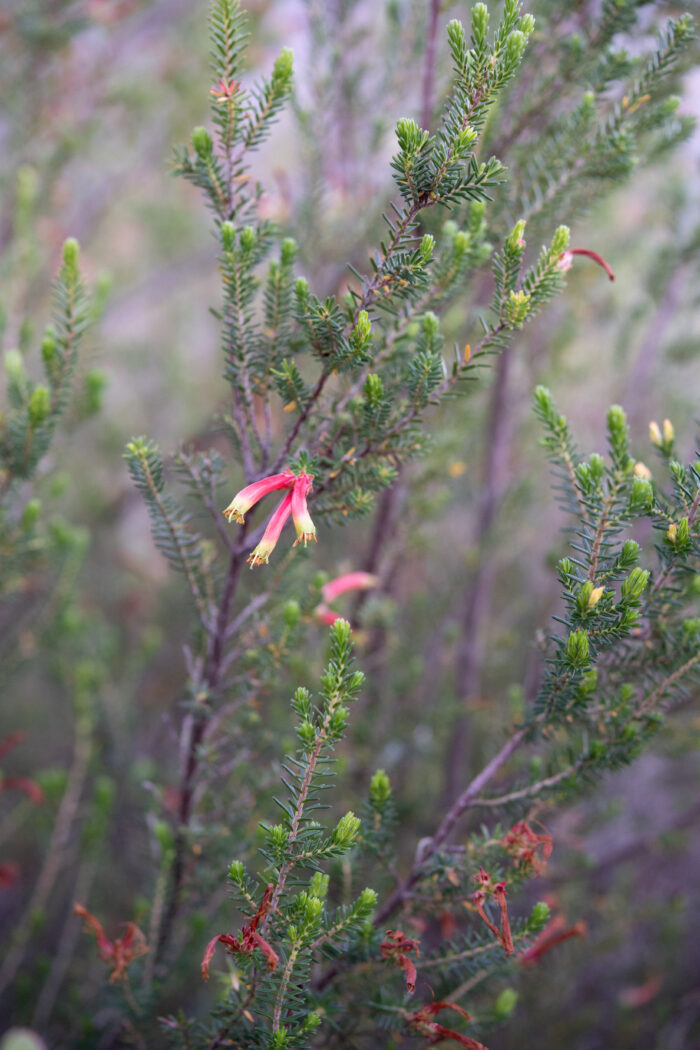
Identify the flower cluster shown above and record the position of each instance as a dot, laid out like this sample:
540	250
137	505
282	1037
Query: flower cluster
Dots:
497	891
529	850
297	488
249	940
120	952
397	947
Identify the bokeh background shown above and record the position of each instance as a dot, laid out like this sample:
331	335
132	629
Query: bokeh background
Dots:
95	95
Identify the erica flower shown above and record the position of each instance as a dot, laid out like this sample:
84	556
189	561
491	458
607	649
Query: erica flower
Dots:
251	494
350	581
119	953
566	260
298	487
306	530
249	940
223	91
264	549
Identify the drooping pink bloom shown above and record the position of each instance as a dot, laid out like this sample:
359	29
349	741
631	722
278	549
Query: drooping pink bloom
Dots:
252	494
248	941
555	932
121	952
350	581
566	260
261	554
397	947
306	530
422	1021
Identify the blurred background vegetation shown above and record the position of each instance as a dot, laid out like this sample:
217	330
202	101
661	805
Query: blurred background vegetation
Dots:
95	95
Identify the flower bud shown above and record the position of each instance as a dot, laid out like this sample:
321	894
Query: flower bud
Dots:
39	405
669	432
577	648
655	434
379	788
202	142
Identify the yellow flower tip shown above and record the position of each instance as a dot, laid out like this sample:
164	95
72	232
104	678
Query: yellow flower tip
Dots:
641	470
596	595
257	559
672	532
231	514
304	538
669	432
655	434
457	468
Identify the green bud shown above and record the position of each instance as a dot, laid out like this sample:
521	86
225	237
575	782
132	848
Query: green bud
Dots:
341	632
515	243
283	67
455	31
367	899
319	885
635	584
236	872
48	347
683	534
313	909
14	366
291	612
228	236
539	915
515	46
461	243
577	648
338	719
248	238
71	255
379	788
560	240
373	389
30	514
279	1038
427	247
39	405
95	383
630	552
431	325
311	1023
506	1003
346	830
301	290
202	142
691	627
517	308
307	734
288	251
410	136
480	21
642	495
278	835
527	24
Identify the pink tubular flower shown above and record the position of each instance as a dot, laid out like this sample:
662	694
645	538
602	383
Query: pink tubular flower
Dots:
294	503
261	554
350	581
306	530
566	260
252	494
